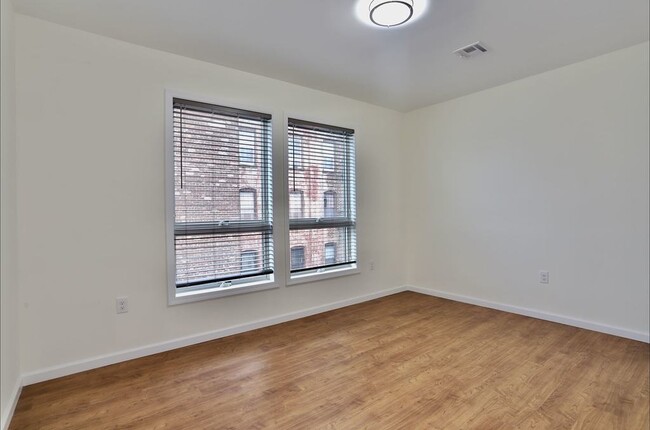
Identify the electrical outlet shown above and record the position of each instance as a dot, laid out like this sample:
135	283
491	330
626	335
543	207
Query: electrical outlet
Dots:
372	265
543	277
122	305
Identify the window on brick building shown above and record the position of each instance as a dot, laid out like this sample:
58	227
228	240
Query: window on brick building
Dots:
330	253
297	257
296	203
328	225
248	262
247	204
329	204
220	219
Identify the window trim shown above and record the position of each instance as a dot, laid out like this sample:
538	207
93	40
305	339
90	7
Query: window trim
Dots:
317	274
253	284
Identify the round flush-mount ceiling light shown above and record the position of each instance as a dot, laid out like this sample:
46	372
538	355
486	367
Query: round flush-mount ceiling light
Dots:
389	13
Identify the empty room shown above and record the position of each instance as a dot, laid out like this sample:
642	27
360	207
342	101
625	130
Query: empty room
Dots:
310	214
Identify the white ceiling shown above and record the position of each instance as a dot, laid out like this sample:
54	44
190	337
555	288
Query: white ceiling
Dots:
321	44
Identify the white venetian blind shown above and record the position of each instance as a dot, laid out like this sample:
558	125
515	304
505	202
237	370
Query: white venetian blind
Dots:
222	194
322	172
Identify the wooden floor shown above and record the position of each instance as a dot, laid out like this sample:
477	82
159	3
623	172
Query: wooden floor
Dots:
406	361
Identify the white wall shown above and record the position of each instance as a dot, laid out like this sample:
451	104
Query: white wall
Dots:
471	196
549	172
9	297
91	227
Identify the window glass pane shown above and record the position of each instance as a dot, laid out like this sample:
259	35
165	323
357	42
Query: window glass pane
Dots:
201	258
222	187
315	183
326	229
323	246
207	171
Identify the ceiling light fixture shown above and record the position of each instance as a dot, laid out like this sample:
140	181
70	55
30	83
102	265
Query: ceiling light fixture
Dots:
387	14
390	13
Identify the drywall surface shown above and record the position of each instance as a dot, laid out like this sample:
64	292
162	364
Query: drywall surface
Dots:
473	196
546	173
90	137
9	294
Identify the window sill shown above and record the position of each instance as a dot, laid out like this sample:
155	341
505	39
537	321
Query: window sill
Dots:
303	278
180	297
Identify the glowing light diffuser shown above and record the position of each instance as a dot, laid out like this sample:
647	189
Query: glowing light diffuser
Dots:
390	13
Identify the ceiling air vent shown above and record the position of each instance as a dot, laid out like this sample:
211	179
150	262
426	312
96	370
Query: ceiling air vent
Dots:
470	50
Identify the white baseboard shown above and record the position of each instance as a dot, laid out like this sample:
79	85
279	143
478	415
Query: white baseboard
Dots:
542	315
105	360
15	395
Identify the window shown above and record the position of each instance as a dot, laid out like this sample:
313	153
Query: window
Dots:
328	225
329	204
248	262
330	253
296	201
220	216
297	257
246	146
247	204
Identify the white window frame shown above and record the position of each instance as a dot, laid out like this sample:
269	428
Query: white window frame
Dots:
219	289
317	274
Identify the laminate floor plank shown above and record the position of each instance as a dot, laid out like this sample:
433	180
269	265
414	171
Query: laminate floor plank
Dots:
406	361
